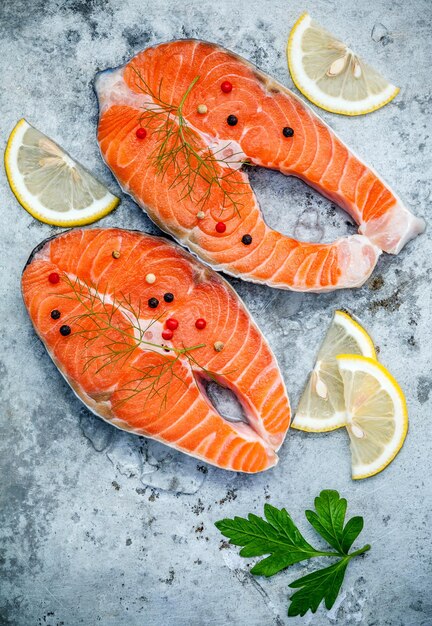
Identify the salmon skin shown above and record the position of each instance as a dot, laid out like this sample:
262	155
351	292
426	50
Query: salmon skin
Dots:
179	87
122	330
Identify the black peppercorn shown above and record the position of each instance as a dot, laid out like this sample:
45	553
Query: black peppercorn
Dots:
288	131
153	303
232	120
247	240
55	314
168	297
65	330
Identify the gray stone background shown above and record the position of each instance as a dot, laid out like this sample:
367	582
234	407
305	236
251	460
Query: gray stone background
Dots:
102	527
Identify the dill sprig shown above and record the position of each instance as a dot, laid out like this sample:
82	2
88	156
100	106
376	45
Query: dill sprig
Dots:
177	147
99	320
153	381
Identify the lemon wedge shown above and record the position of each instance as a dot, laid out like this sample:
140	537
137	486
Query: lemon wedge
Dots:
322	404
376	414
331	75
49	184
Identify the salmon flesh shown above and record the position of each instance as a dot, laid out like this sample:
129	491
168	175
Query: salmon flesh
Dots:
103	302
184	166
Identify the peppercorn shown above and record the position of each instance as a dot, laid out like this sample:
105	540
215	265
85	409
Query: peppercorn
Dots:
288	131
226	86
219	346
55	314
167	334
172	323
153	303
200	323
220	227
168	297
232	120
247	240
202	109
65	330
115	254
54	278
141	133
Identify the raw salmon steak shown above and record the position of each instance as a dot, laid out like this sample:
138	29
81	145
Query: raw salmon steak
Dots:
138	328
176	124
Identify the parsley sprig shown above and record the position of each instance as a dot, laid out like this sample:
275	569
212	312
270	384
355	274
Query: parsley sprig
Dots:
278	537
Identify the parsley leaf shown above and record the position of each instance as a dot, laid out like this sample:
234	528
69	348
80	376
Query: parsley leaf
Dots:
329	520
278	537
324	584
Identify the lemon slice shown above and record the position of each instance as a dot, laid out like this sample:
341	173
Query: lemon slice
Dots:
331	75
49	184
322	405
377	417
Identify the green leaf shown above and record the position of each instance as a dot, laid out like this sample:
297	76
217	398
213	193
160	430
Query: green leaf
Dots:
351	531
281	521
323	584
329	518
277	535
277	562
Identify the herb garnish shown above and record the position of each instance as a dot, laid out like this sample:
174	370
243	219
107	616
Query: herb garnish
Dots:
278	536
99	320
196	169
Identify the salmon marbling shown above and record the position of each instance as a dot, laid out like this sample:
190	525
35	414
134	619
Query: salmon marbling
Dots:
115	358
259	109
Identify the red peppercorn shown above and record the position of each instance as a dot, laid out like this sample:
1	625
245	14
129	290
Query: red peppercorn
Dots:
167	334
200	323
226	86
141	133
220	227
172	323
54	278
